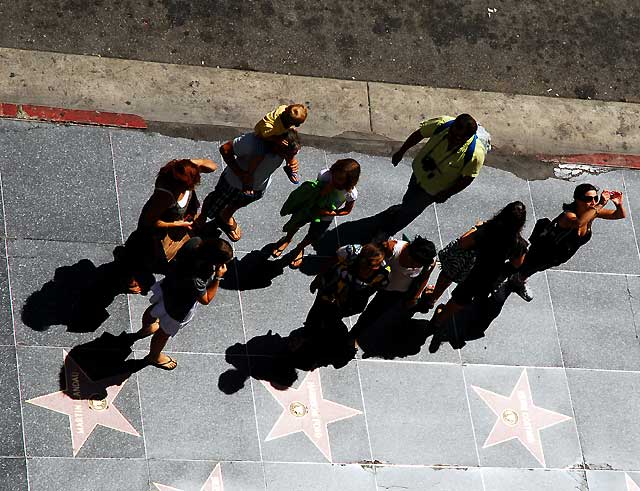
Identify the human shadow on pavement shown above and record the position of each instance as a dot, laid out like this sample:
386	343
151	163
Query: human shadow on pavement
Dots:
256	270
98	364
359	231
472	322
76	297
277	359
398	340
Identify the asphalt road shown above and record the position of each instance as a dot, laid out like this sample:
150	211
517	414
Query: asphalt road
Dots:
566	48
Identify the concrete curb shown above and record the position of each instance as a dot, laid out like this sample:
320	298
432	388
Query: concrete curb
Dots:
370	113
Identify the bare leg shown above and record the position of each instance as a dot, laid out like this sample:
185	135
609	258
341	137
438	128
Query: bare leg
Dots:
283	243
233	230
158	342
149	324
151	327
299	251
226	215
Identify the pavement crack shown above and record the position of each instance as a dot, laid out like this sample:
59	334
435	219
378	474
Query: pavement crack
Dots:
633	312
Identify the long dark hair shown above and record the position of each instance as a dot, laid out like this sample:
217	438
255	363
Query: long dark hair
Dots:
505	228
578	192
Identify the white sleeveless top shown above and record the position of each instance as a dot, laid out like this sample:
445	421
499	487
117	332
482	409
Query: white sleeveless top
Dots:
401	277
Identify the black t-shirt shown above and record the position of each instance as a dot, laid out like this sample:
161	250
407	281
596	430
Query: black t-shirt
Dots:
186	280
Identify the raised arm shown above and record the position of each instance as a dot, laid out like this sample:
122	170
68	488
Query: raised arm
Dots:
212	287
205	165
571	220
619	212
414	138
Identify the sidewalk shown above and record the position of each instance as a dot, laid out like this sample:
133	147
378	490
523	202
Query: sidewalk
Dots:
546	401
368	113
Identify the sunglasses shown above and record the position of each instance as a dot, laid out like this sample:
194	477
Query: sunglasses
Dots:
589	199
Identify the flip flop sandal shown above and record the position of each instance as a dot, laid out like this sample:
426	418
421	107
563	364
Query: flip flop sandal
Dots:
164	366
297	262
230	229
277	252
294	177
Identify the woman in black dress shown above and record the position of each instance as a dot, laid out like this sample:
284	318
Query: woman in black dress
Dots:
554	242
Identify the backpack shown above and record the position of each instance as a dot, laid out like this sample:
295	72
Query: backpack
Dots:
482	136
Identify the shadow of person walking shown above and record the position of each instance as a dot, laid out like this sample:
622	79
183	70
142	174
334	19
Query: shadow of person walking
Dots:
277	359
105	362
472	322
359	231
76	297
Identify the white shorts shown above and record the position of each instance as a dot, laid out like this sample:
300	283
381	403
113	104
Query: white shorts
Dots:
167	323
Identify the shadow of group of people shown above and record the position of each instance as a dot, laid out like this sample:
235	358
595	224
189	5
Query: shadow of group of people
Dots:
79	296
177	239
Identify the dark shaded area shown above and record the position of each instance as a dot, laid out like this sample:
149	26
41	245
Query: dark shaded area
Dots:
571	48
323	340
386	329
359	231
273	360
472	322
76	297
105	362
257	269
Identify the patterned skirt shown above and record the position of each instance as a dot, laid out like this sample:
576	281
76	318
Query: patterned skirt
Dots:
456	262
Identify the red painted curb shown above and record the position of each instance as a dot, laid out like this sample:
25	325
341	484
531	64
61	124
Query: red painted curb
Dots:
60	115
597	159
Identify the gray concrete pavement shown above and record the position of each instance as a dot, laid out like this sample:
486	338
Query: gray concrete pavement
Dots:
570	48
546	400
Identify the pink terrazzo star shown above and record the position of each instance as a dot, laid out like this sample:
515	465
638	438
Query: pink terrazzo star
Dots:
631	485
519	417
213	482
84	412
306	410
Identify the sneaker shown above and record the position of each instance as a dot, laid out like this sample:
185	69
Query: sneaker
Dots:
521	288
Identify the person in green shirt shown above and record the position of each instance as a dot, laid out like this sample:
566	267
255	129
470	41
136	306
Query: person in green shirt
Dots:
444	166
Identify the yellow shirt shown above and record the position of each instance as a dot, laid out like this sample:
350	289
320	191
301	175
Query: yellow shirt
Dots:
447	165
271	124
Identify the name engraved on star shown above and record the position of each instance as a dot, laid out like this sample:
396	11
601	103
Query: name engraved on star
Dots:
84	412
75	384
526	417
316	421
78	419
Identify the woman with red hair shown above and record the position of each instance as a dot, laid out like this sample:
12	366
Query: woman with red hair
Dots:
164	224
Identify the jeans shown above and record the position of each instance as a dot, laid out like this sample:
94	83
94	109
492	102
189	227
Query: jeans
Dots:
414	202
